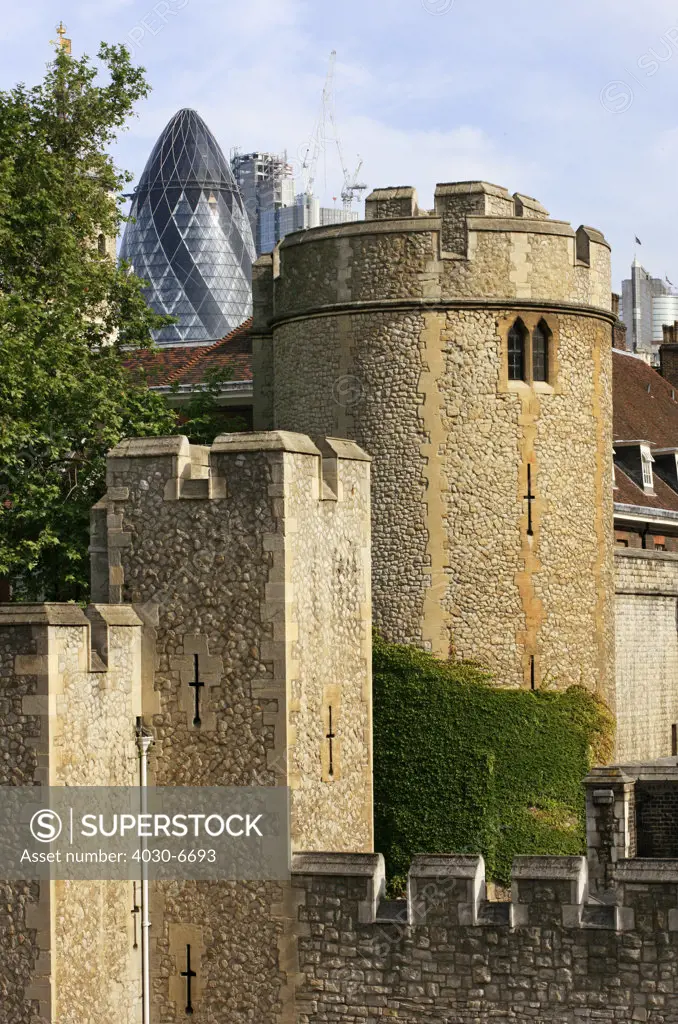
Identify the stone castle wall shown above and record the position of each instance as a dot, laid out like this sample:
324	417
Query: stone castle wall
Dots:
69	696
254	556
393	332
446	954
646	609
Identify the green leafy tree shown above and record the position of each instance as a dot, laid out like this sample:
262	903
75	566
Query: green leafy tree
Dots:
202	418
66	311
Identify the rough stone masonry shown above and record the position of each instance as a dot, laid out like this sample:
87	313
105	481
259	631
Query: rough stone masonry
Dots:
492	490
254	556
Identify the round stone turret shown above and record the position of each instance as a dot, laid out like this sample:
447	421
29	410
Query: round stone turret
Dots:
468	350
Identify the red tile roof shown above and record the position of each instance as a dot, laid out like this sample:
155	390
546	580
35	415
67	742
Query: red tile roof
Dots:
644	409
181	365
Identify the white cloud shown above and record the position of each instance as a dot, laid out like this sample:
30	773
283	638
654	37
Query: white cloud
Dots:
508	93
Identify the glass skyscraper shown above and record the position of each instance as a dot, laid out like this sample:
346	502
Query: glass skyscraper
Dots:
190	237
647	304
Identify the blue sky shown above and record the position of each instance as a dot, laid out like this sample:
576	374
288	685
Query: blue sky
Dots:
574	104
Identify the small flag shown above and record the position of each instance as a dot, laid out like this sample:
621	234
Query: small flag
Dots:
638	241
669	282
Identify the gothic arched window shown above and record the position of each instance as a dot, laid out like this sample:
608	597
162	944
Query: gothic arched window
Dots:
101	244
540	352
516	350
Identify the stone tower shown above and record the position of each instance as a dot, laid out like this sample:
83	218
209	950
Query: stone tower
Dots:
242	569
467	349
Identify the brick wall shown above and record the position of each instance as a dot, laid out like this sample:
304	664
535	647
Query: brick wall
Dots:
668	357
657	819
646	651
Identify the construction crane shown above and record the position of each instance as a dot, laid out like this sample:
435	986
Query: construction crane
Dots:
352	187
324	131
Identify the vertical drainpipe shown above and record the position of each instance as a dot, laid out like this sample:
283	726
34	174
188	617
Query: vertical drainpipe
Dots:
144	741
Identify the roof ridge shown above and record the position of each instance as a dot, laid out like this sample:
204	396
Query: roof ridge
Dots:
175	376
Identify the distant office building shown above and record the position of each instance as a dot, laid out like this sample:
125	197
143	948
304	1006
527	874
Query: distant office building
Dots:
306	212
336	215
647	303
266	182
189	236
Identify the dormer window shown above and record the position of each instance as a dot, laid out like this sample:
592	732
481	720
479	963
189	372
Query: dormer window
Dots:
646	463
666	466
635	458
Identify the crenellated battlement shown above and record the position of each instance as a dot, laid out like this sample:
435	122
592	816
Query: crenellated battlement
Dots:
449	891
447	953
71	677
242	472
477	244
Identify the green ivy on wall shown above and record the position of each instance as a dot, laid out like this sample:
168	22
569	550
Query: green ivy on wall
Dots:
461	766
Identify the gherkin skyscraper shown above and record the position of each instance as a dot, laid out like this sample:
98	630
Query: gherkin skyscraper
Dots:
190	236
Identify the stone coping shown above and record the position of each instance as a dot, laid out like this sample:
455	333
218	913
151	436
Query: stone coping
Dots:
551	868
265	441
645	553
49	614
450	865
664	769
530	203
288	441
595	235
350	865
611	773
525	224
53	614
380	195
342	449
115	614
361	865
140	447
646	869
535	226
455	188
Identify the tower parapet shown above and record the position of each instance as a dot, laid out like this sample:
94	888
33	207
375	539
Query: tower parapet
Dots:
478	243
467	349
